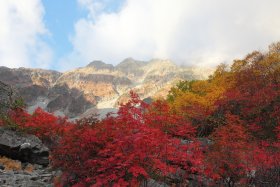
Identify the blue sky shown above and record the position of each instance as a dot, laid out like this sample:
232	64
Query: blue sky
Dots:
67	34
59	18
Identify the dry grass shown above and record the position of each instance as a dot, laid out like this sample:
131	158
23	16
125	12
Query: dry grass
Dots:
29	168
10	164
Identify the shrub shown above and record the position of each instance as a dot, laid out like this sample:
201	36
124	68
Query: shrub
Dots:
124	150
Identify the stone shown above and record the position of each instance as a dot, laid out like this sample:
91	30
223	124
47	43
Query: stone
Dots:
23	147
37	178
153	183
2	167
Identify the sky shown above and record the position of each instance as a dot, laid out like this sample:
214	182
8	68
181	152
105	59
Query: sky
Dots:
67	34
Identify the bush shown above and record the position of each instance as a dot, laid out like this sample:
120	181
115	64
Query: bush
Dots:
124	150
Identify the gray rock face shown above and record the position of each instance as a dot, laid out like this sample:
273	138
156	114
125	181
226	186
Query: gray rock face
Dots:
36	178
70	101
7	97
24	77
153	183
26	148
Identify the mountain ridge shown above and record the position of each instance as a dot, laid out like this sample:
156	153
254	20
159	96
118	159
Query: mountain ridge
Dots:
97	86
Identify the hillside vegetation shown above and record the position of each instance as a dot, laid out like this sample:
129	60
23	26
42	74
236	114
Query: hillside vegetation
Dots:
221	131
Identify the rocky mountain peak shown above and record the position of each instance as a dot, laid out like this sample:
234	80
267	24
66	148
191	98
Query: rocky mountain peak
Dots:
99	65
130	62
129	66
158	64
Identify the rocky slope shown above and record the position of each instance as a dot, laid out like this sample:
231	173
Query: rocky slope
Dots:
24	160
97	87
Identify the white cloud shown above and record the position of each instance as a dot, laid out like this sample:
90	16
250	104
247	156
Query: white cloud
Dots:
186	31
20	34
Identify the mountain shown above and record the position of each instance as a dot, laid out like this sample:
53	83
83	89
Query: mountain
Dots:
97	87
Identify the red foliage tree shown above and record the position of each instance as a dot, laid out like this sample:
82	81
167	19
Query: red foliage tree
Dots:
161	116
44	125
125	150
227	157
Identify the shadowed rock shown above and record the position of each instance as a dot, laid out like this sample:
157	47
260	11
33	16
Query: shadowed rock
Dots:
23	147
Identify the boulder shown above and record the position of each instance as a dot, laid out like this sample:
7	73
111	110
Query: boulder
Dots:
23	147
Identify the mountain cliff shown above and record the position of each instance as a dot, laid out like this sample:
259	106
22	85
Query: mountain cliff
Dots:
97	87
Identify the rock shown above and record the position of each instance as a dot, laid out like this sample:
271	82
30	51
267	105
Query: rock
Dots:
23	147
38	178
153	183
2	167
7	97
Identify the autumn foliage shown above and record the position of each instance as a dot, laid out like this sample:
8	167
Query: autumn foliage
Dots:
238	108
42	124
127	149
236	112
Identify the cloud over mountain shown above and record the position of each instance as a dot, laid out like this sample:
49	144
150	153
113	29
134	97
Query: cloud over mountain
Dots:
186	31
